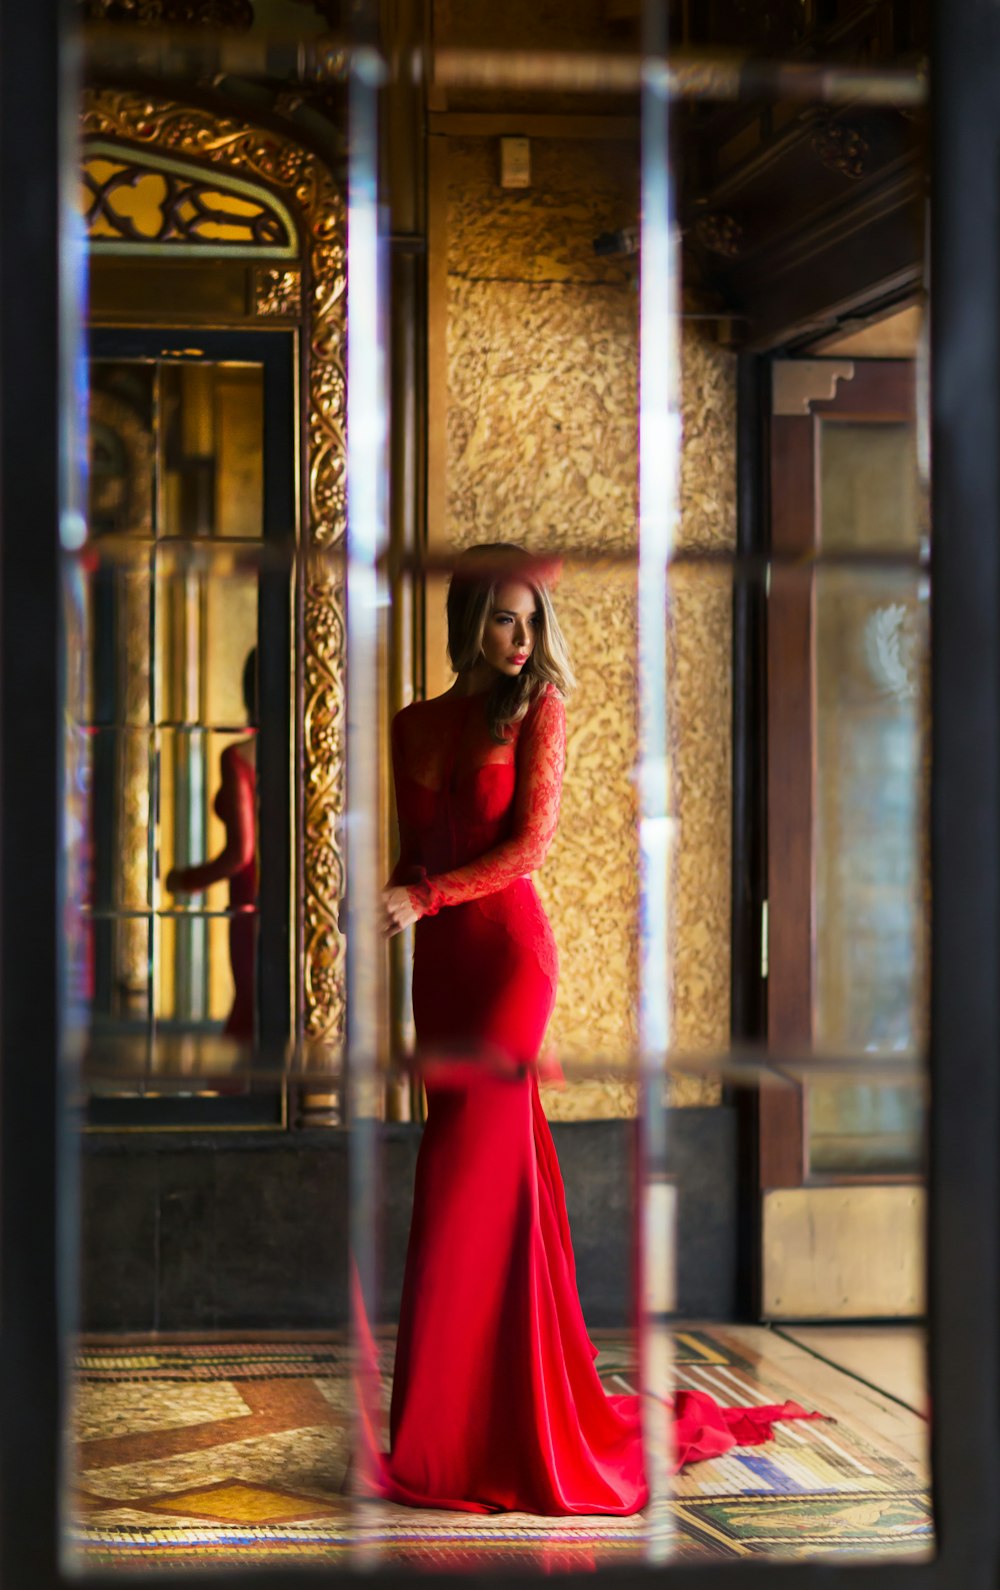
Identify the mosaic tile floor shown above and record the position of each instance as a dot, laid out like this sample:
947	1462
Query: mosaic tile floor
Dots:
224	1452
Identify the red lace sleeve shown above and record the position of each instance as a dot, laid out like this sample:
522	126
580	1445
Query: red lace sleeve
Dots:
409	854
541	756
236	802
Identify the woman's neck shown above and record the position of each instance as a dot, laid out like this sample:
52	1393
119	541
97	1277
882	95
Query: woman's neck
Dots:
475	681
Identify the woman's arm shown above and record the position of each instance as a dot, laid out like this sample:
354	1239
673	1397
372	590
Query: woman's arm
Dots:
541	757
237	802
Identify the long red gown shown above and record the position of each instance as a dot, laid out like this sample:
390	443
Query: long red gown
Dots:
496	1403
236	804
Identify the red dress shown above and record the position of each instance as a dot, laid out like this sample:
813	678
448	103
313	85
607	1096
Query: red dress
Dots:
236	804
496	1403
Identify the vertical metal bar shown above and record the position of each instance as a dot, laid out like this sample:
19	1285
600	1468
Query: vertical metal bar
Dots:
73	450
404	164
965	788
366	443
154	940
749	723
37	310
659	463
748	980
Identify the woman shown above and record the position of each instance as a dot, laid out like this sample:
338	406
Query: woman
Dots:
496	1403
236	804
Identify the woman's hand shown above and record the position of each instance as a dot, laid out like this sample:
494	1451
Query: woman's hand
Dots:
398	911
171	883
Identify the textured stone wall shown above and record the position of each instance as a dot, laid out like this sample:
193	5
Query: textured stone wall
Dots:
542	449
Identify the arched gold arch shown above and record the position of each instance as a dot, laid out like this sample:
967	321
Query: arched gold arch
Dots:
141	199
315	201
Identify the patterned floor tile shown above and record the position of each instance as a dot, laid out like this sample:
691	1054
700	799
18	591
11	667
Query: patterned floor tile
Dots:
221	1452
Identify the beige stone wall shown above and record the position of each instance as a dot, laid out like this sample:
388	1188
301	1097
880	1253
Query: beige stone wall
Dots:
541	449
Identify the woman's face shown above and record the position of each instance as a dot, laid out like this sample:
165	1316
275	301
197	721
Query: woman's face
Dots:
511	629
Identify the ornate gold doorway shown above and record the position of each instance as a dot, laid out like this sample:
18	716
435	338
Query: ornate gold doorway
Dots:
196	221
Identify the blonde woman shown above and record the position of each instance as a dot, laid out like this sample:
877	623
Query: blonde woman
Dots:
496	1403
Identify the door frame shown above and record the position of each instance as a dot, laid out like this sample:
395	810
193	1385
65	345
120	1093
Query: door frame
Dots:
275	350
860	1215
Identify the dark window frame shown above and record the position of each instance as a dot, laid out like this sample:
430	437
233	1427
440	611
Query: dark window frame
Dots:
275	351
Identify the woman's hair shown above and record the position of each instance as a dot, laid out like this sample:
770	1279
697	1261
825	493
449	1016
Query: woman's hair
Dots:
476	575
250	685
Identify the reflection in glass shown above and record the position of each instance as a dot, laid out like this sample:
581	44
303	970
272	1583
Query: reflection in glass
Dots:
872	751
211	435
180	501
169	696
193	985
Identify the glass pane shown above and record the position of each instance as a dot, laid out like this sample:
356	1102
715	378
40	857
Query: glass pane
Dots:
873	745
872	765
171	638
870	493
866	1127
208	866
588	881
116	677
212	421
496	1234
118	979
198	858
124	468
122	774
207	628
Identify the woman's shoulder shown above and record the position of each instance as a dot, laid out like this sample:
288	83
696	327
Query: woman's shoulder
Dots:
428	708
240	756
546	715
409	719
410	713
548	701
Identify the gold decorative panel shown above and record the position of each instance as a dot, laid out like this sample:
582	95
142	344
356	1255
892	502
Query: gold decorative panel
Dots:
708	460
699	643
590	880
543	234
542	345
277	292
305	186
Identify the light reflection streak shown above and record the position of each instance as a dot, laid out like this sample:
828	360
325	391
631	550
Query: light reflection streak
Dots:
366	530
659	465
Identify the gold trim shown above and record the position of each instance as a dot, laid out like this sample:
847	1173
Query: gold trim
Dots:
437	675
281	1125
324	742
318	205
277	291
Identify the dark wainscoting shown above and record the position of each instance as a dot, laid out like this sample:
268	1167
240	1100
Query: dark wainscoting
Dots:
234	1231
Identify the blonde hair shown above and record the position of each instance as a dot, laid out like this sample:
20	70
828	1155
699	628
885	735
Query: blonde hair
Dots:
472	592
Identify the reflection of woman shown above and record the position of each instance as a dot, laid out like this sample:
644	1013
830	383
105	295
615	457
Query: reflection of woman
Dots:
496	1403
235	804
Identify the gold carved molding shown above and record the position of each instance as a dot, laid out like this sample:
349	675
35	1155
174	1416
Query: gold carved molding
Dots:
318	206
277	292
170	13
